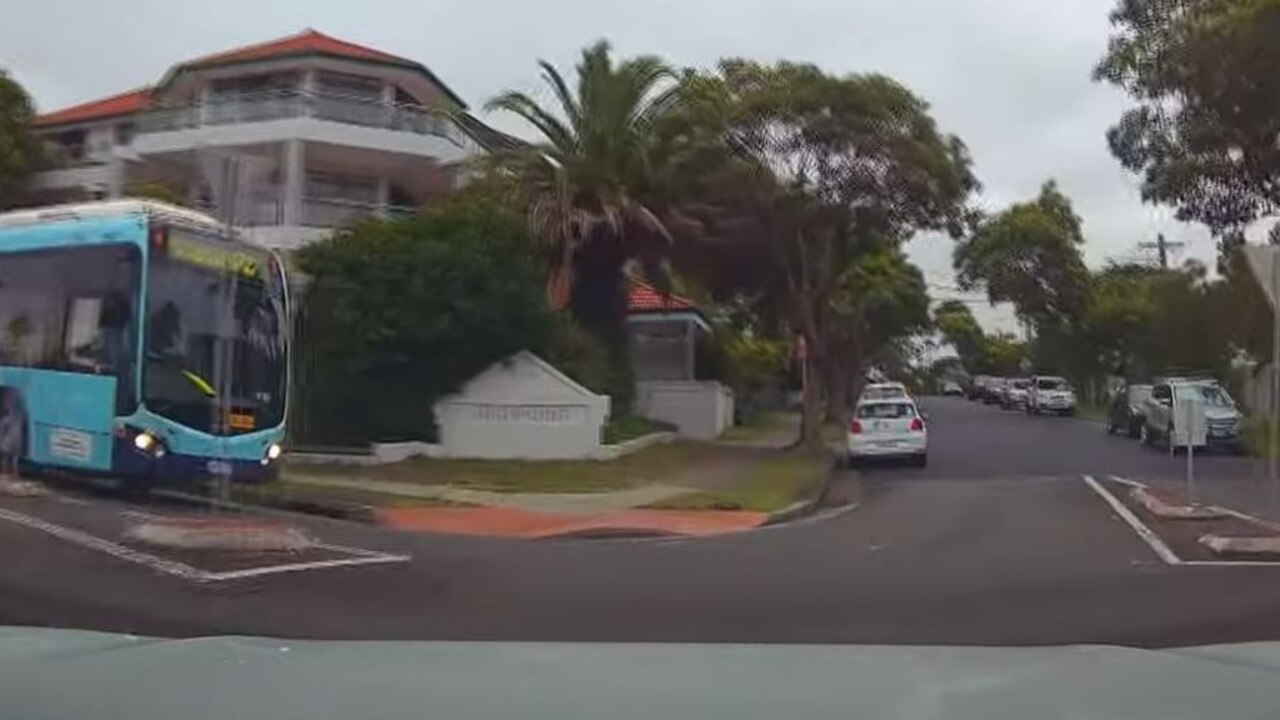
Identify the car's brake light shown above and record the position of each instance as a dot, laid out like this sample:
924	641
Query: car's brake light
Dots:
917	425
855	427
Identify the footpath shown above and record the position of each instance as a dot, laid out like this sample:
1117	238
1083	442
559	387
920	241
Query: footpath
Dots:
740	482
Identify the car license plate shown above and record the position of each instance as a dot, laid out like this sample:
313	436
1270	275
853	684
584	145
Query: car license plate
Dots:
218	467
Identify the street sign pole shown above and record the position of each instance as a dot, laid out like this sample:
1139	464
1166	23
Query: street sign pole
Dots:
1191	451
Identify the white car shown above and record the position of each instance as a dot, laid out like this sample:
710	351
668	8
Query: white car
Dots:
885	391
1050	394
887	428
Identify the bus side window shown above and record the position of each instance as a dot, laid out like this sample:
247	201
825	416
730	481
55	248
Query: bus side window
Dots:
82	344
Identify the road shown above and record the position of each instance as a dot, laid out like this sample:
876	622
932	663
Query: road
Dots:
997	542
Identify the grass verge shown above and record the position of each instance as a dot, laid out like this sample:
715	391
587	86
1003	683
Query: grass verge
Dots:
285	494
761	426
659	463
630	427
778	480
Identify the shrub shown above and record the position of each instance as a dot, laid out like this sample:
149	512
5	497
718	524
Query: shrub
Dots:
399	312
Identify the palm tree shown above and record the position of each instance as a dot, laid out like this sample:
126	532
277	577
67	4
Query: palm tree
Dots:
586	183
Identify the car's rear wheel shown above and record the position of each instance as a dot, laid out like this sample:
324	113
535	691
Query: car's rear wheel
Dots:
920	460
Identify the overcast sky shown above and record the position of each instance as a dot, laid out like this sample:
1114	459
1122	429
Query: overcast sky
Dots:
1010	77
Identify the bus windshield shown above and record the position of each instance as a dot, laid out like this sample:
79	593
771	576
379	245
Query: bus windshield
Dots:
199	316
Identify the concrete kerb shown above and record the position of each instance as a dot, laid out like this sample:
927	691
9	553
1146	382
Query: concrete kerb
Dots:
336	511
187	533
1167	511
17	487
808	506
1242	546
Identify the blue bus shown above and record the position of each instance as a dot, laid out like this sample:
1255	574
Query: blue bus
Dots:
139	341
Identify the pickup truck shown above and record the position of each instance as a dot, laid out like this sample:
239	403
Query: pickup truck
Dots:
1222	418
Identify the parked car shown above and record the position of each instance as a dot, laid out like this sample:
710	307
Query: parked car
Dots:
1050	394
951	387
1222	418
995	388
889	428
884	391
1127	412
978	386
1015	393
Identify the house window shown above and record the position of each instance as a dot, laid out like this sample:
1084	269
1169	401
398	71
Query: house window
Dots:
124	133
354	87
72	143
250	85
349	188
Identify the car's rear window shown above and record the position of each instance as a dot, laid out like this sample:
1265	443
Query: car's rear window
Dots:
876	393
886	410
1021	384
1051	384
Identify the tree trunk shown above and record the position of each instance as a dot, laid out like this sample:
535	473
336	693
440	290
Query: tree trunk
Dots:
811	413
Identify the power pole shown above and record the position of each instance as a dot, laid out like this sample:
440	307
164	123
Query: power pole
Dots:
1162	248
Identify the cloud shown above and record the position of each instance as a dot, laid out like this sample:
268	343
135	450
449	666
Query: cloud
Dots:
1010	77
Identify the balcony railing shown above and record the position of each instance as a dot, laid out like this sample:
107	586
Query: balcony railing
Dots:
316	212
295	104
336	212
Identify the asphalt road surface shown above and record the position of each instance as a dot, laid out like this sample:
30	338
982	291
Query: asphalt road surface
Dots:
997	542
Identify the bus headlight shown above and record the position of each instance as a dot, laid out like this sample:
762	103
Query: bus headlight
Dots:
149	444
274	451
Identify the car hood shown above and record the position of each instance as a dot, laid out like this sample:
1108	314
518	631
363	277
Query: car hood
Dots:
61	674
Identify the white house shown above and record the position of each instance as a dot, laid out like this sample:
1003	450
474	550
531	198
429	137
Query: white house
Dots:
333	129
522	408
664	333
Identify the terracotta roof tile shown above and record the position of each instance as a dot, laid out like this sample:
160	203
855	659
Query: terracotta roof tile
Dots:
307	41
646	298
122	104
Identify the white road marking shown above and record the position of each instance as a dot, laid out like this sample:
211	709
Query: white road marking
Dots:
83	539
1157	545
1126	481
186	572
1141	528
1231	563
369	559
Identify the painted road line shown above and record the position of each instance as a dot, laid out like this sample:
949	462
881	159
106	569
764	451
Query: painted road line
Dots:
1157	545
1231	563
374	559
193	574
1127	481
83	539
